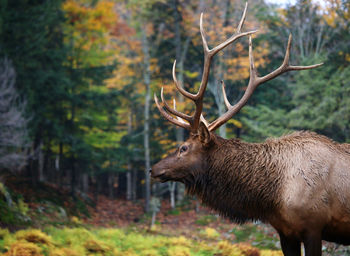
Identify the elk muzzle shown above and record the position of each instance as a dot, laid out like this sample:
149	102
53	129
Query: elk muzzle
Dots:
158	173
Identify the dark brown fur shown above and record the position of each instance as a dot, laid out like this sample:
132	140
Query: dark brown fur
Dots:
299	183
228	182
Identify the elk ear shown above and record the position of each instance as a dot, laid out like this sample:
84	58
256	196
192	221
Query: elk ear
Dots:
204	134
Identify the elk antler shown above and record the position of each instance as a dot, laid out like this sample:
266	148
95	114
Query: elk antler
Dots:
193	120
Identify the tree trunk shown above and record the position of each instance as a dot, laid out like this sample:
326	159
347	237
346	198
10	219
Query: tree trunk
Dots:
58	165
73	177
111	185
97	188
172	186
222	129
153	221
128	183
41	162
134	185
147	81
197	206
85	183
49	173
34	163
128	173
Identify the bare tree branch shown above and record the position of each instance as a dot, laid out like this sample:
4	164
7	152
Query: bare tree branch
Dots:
13	124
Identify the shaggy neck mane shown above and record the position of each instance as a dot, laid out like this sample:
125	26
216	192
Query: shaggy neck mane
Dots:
240	181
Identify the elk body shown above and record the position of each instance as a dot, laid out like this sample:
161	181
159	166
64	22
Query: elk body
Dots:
299	183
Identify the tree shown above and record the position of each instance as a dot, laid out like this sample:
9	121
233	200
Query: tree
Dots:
138	16
13	123
91	133
127	81
311	99
31	37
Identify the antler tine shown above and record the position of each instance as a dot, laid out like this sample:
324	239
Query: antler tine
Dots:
255	81
173	111
178	118
227	103
201	29
179	87
285	67
169	117
204	120
243	18
233	38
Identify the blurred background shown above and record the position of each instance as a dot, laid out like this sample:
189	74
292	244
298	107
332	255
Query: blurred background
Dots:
79	129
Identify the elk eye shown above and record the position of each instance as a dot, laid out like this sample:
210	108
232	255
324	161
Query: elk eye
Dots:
183	149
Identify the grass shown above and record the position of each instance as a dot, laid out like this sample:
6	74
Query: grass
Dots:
205	220
256	236
113	242
175	212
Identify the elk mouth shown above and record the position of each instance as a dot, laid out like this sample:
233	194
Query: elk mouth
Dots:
160	177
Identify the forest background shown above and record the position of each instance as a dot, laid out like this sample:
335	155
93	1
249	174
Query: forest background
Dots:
77	78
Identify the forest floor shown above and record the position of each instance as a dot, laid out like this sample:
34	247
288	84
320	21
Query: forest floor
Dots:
46	206
189	220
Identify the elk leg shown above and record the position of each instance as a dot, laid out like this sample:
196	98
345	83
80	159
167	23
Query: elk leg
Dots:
290	246
313	245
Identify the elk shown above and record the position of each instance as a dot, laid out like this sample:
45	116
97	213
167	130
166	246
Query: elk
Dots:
299	183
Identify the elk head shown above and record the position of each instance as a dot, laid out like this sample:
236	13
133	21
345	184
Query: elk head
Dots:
188	161
191	157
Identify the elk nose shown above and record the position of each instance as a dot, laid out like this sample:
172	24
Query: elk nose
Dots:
150	170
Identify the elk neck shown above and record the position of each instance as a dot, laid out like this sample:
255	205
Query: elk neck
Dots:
242	181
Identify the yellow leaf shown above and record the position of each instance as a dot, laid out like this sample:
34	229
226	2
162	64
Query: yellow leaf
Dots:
235	122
